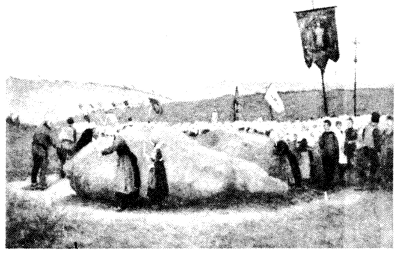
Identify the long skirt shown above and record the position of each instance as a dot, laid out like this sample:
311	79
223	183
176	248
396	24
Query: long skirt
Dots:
158	184
124	178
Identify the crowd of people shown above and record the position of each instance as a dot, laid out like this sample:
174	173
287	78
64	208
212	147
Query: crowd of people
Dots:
127	173
343	153
337	148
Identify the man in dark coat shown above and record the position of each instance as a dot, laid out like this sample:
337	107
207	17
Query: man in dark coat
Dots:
329	148
350	145
42	141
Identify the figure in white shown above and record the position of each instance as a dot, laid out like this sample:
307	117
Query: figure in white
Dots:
214	116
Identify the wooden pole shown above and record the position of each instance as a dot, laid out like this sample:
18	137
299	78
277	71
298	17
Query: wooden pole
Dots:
355	78
271	113
324	93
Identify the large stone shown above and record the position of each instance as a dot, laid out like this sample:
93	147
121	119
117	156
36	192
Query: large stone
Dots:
250	147
192	170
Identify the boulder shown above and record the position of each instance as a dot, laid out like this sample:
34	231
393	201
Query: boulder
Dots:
193	170
257	149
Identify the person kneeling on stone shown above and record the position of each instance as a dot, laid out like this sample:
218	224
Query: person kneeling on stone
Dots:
158	184
127	175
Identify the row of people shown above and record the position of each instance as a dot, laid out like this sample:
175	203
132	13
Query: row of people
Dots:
338	151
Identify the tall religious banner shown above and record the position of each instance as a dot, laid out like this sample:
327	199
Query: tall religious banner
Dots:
319	39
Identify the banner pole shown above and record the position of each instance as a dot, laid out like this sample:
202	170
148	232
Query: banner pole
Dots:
270	111
355	78
324	93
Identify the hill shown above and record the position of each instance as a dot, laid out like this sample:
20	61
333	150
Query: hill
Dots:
298	105
31	99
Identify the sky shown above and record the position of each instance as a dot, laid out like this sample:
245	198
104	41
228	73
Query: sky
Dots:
190	50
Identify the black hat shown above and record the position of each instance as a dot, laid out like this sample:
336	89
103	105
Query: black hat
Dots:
375	117
70	120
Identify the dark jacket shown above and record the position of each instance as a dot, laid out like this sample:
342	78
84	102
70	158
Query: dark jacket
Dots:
329	145
376	136
350	148
158	183
282	150
42	140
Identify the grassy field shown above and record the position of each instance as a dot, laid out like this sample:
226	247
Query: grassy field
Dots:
228	220
348	219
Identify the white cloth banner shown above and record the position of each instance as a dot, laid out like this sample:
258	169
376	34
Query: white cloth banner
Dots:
273	99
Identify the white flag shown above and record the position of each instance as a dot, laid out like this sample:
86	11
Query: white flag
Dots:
273	99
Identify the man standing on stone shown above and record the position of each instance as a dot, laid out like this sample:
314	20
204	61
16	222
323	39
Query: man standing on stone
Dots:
329	148
42	140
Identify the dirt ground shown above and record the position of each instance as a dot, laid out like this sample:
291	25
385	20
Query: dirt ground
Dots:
346	219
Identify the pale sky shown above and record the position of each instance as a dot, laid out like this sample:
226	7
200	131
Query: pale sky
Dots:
190	50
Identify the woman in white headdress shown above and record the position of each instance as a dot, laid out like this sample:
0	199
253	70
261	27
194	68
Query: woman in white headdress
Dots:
127	174
158	188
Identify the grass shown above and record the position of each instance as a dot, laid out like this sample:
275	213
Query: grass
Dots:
19	154
365	223
30	225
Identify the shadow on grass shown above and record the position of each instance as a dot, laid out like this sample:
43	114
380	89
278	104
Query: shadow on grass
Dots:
230	197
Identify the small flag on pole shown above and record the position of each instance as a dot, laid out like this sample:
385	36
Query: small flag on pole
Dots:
273	99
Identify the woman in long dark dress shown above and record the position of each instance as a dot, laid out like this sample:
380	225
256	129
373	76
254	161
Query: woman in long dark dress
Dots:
158	184
127	176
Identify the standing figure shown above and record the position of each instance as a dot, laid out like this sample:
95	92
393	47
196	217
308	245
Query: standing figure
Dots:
387	152
293	175
329	148
371	138
42	140
342	157
306	161
350	146
158	184
127	175
67	138
214	116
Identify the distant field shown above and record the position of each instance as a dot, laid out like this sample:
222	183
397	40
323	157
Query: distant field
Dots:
298	104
